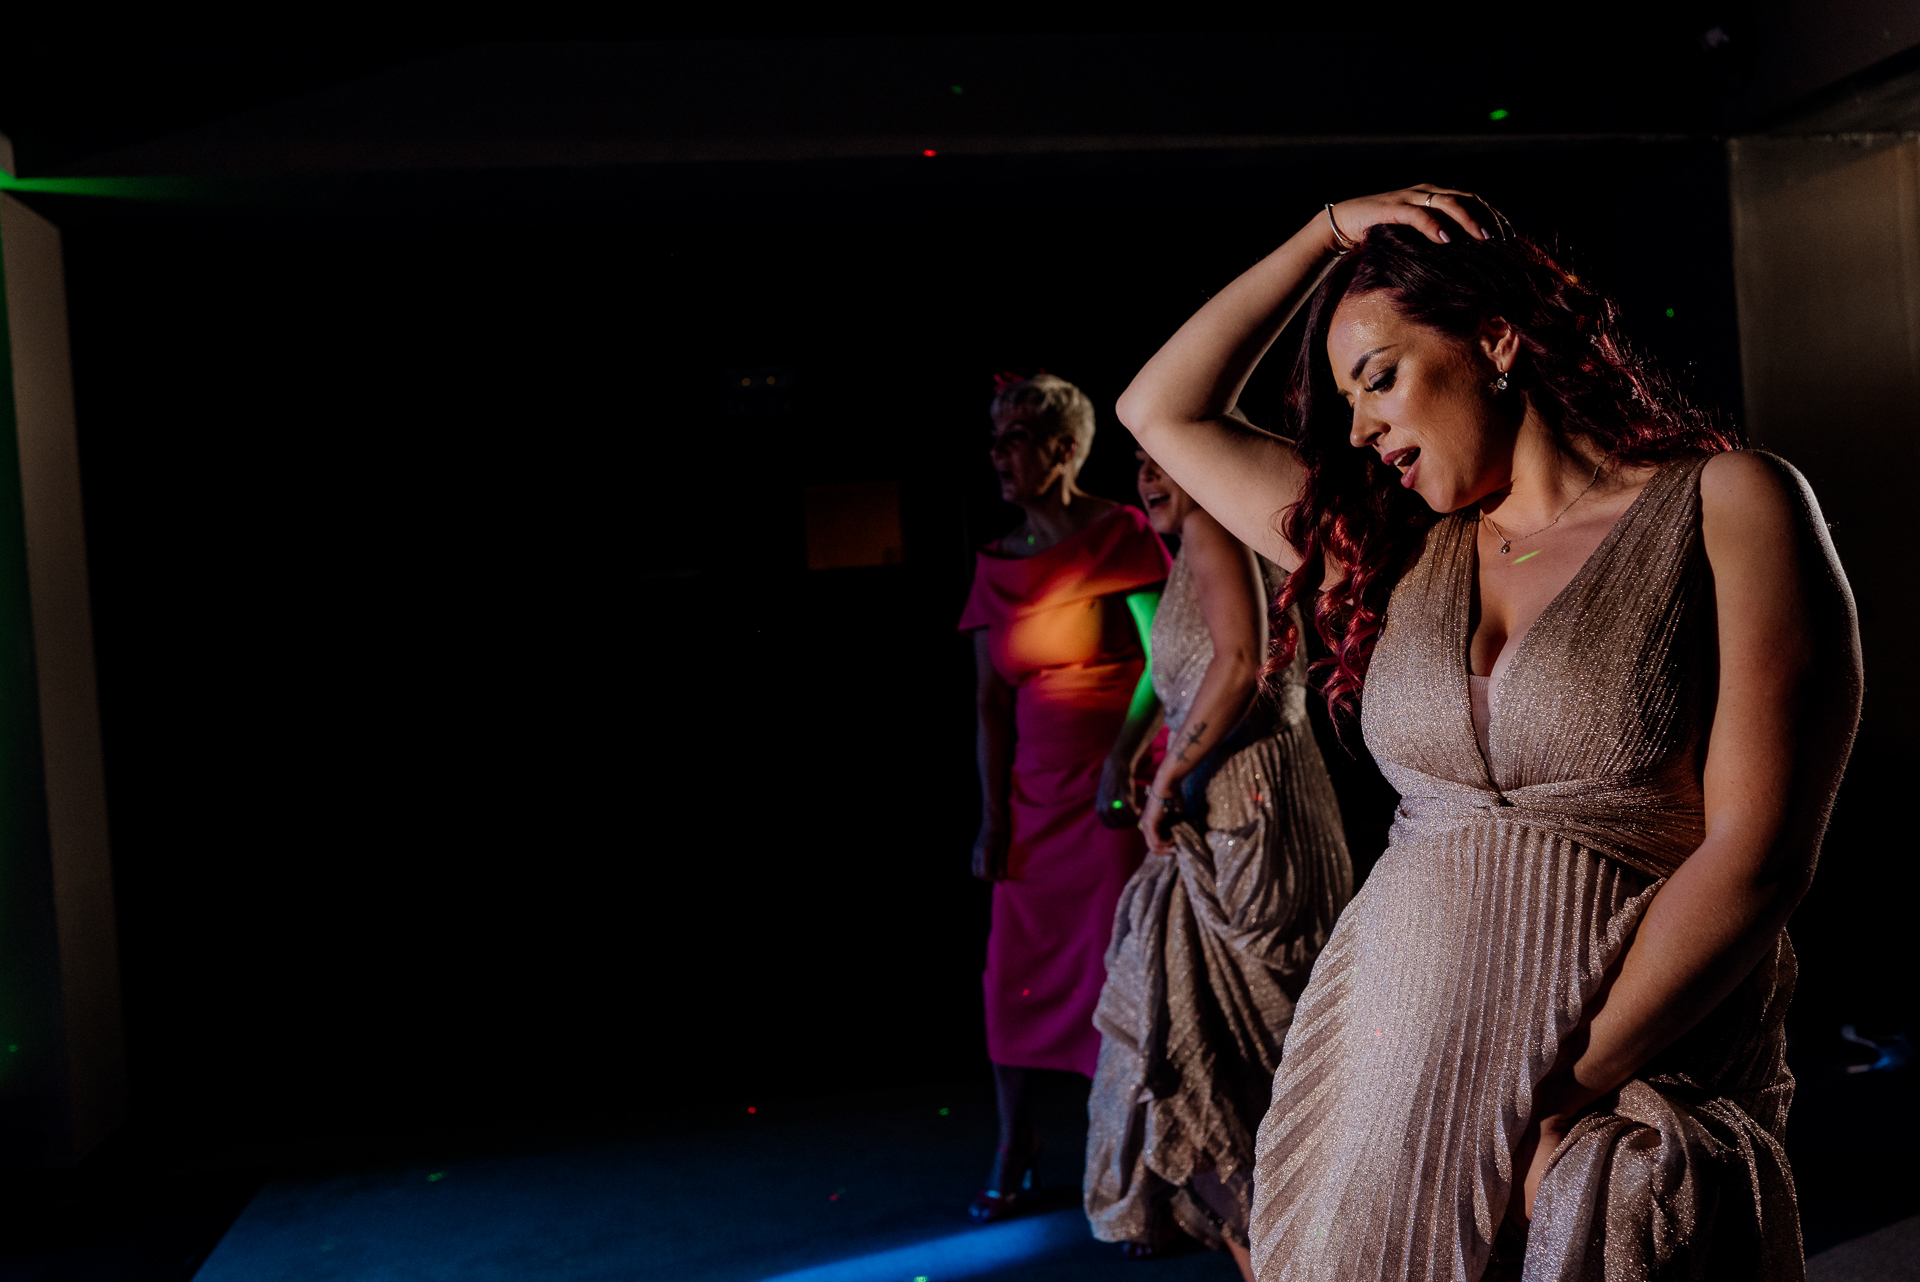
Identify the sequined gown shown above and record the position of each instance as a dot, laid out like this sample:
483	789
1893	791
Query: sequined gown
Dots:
1512	883
1210	948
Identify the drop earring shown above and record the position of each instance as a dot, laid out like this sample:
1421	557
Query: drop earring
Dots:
1500	384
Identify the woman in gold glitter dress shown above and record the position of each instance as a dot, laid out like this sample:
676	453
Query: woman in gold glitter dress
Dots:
1216	932
1611	664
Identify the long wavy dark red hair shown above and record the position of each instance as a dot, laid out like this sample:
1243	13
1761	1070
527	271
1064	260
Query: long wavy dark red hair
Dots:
1575	367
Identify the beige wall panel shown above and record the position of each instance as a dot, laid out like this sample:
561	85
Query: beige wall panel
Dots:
63	653
1826	239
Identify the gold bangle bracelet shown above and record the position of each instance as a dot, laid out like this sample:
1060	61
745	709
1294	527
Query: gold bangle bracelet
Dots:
1341	245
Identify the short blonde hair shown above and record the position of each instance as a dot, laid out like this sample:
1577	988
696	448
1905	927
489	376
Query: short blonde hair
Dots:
1054	408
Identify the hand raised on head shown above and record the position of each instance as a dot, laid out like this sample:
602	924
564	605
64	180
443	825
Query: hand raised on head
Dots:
1436	211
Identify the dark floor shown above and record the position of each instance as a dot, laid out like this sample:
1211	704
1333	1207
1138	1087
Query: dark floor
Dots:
783	1190
1891	1254
838	1189
1854	1137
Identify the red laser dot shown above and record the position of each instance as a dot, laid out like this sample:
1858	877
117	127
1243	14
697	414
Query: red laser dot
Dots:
1025	991
833	1197
929	152
752	1109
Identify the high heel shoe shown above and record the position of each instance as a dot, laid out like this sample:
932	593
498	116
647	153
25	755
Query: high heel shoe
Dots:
1008	1194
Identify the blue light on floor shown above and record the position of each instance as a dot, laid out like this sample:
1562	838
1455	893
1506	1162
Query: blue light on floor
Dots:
964	1255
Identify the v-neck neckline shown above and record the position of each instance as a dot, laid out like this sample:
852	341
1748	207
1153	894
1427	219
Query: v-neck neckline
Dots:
1468	577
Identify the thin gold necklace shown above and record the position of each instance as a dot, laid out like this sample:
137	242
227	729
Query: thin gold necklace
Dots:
1506	544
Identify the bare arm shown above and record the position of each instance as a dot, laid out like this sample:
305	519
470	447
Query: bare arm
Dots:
1183	405
1784	718
993	748
1223	572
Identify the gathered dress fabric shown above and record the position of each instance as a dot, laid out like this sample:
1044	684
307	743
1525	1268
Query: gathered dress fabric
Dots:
1211	947
1513	882
1073	669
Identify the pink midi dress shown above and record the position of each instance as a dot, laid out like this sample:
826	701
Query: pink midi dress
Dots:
1073	675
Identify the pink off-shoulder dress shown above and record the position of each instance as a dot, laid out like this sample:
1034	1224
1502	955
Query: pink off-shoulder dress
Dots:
1073	675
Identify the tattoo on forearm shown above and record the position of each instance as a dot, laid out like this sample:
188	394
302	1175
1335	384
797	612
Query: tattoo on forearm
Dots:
1193	737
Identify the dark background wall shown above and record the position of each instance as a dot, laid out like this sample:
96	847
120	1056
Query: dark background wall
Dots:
479	746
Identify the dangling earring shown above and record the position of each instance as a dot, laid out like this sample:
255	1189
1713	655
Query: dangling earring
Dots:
1500	384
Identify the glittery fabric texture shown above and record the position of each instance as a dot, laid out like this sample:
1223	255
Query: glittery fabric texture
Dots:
1513	881
1210	949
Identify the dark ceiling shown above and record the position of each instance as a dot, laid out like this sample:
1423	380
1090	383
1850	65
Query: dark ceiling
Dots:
350	136
574	104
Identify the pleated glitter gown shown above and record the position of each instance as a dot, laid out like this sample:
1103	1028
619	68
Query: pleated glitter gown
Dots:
1211	946
1512	883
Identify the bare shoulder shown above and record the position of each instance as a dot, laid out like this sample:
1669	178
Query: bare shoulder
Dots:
1209	543
1748	495
1215	558
1761	524
1223	575
1748	482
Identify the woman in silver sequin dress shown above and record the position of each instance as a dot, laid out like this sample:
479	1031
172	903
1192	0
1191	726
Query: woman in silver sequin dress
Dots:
1610	662
1215	933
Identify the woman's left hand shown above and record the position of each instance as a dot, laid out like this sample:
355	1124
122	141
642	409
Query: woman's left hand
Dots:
1531	1159
1559	1101
1157	824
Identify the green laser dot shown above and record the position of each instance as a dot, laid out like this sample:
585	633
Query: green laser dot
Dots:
1118	804
13	1048
1669	313
1528	557
944	1112
957	89
1498	113
436	1177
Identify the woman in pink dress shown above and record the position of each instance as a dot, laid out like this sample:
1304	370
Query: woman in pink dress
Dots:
1058	613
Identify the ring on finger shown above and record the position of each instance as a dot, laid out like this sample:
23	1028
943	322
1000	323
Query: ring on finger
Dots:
1429	201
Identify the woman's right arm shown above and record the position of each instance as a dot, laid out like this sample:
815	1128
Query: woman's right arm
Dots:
1182	407
1231	602
993	700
